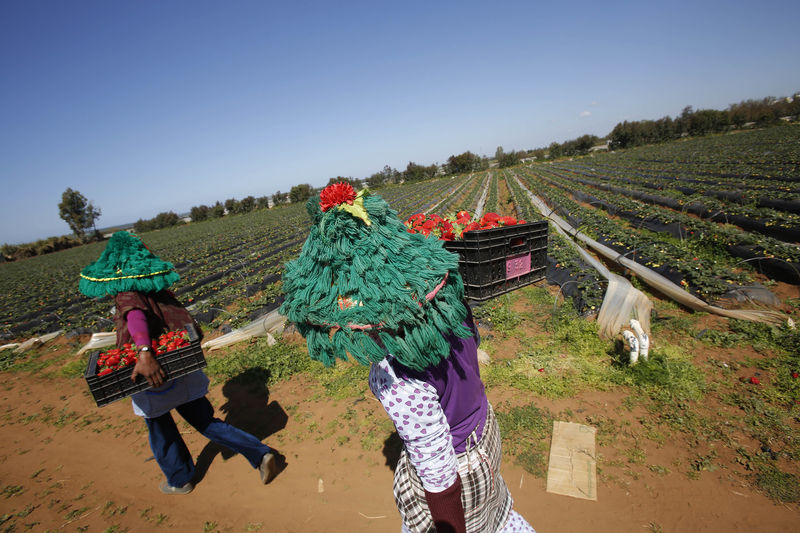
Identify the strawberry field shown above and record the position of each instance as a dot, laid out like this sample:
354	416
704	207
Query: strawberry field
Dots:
705	429
711	214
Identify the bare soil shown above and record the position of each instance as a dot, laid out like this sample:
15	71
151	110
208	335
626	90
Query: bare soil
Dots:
67	465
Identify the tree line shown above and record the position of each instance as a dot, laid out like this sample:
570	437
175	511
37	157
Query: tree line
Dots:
699	122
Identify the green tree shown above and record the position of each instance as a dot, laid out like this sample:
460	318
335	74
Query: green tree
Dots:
508	159
232	206
300	193
161	220
247	204
199	213
216	211
78	213
384	177
352	181
280	198
415	172
466	162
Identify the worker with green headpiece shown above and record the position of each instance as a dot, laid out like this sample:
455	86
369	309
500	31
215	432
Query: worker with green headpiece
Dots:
393	300
137	281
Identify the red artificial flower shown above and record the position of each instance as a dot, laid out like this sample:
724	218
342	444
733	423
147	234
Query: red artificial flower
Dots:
336	194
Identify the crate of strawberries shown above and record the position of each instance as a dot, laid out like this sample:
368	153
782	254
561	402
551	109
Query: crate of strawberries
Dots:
497	254
108	373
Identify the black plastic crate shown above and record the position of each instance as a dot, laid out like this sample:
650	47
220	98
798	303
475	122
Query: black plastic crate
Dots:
118	384
498	260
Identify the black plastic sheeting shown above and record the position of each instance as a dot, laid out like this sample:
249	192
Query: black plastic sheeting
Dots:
774	268
258	313
675	276
562	277
208	316
750	293
786	234
675	229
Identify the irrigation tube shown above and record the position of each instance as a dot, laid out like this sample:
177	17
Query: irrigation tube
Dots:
653	278
621	300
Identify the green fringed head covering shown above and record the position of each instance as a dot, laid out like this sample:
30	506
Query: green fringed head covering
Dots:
361	275
126	265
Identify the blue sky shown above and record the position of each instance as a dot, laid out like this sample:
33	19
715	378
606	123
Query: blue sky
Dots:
148	106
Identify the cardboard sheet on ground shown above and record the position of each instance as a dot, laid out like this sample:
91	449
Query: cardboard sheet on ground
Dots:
573	464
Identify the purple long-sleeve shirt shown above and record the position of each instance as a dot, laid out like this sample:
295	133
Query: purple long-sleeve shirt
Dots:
436	410
137	327
458	385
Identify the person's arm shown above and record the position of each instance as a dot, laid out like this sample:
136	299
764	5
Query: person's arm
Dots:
414	407
146	364
447	510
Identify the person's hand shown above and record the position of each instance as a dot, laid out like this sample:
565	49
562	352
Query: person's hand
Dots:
148	367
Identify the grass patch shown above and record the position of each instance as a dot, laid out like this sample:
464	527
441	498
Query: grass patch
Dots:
778	485
498	313
572	359
8	358
260	361
673	386
75	368
526	433
345	380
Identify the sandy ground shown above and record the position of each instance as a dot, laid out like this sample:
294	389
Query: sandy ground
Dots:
67	465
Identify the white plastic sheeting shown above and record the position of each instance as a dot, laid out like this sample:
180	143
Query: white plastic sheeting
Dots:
656	280
37	341
482	202
622	300
269	324
99	340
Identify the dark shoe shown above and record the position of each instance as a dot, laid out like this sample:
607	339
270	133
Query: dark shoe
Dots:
166	488
268	467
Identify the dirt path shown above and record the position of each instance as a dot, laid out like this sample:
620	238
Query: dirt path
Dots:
67	465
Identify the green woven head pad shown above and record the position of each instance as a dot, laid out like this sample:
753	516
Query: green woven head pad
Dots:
361	276
126	265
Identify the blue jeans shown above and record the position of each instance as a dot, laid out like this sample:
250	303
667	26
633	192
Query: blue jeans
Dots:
171	452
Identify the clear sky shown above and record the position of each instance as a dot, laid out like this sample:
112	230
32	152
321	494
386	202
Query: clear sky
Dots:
151	106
